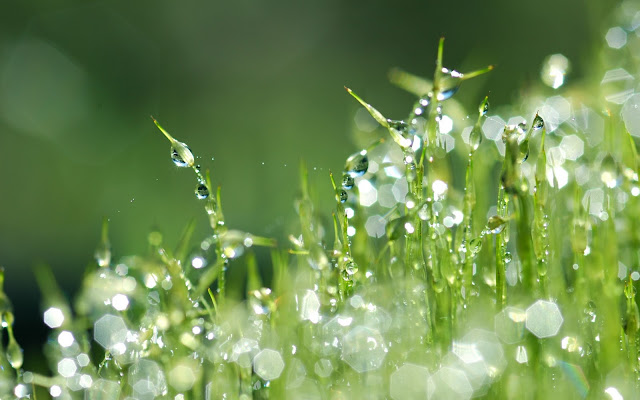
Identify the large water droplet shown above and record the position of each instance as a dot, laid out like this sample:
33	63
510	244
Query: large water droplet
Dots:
475	138
538	123
14	354
342	196
475	245
357	164
496	224
449	84
484	107
202	192
181	155
347	181
351	267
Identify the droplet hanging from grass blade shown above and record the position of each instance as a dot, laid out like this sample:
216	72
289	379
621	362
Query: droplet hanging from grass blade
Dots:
202	192
357	164
181	155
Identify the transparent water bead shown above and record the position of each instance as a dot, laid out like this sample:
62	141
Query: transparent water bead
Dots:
357	164
449	84
181	155
268	364
342	196
410	382
110	331
147	380
450	383
347	181
538	123
202	192
544	319
53	317
363	349
509	324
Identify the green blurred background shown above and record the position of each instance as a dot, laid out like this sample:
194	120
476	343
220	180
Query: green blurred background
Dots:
252	86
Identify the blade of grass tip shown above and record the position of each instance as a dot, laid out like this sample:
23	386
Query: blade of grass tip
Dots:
254	281
411	83
377	115
51	292
209	277
213	301
473	74
185	239
168	136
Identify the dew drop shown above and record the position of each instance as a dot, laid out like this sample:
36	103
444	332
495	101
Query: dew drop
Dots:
496	224
507	257
342	196
538	123
14	354
347	181
181	155
202	192
484	107
357	164
475	138
449	84
475	245
609	172
351	267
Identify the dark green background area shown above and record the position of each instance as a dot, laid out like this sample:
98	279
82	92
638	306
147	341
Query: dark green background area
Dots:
252	86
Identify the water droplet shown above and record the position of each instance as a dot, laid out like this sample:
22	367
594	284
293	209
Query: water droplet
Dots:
538	123
357	164
347	181
103	255
351	267
475	245
449	84
14	353
181	154
202	192
475	138
610	172
496	224
484	107
507	257
410	201
411	172
342	196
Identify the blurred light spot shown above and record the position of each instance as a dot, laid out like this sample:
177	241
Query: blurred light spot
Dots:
493	127
554	69
53	317
368	193
375	226
65	339
42	91
616	37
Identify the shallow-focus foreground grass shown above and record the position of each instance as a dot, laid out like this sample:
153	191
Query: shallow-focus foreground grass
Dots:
470	253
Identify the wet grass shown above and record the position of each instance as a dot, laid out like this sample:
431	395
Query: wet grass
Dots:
467	257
